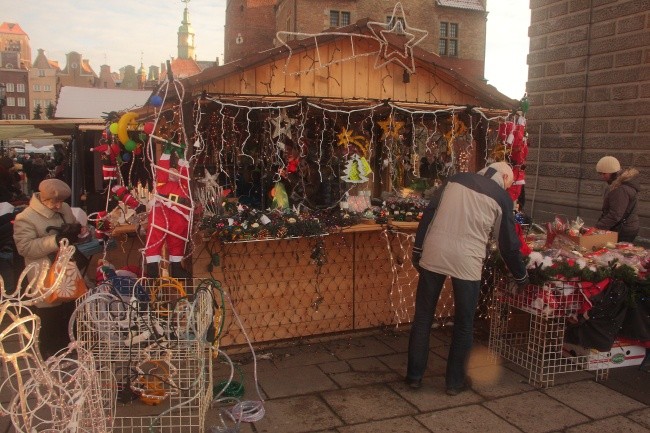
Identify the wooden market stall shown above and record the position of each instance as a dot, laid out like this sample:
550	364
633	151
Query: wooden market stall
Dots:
331	121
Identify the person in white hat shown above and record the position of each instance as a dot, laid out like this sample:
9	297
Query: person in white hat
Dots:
619	212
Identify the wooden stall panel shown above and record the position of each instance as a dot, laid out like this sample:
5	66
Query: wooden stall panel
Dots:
279	293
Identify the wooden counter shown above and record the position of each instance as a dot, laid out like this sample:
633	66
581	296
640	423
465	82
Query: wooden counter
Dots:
279	291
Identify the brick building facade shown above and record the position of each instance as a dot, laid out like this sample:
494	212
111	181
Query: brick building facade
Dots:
589	92
251	25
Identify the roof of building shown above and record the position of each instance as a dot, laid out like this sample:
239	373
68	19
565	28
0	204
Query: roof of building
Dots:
474	5
42	62
12	28
431	62
183	68
85	102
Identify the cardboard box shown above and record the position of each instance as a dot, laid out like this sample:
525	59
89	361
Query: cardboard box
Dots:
596	240
619	356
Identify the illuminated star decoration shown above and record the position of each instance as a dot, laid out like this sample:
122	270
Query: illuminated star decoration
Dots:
345	138
390	127
397	26
210	180
282	124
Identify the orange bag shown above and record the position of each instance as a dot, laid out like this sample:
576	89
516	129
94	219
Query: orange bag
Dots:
72	286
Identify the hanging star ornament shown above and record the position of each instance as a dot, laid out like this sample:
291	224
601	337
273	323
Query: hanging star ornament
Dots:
390	127
410	37
209	180
347	138
282	124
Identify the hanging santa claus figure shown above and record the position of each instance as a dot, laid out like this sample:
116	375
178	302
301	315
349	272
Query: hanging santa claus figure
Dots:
109	153
169	218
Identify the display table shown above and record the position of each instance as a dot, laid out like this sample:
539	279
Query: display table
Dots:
529	333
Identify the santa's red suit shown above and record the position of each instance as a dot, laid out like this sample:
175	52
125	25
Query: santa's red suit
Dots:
519	180
109	153
171	212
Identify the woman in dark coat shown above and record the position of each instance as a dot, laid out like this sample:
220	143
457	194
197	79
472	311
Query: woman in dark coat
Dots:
619	213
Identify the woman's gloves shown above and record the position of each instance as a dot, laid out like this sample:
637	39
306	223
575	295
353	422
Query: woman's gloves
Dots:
69	231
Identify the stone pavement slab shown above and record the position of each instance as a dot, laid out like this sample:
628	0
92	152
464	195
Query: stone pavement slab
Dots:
495	381
308	354
535	412
302	414
593	399
358	347
364	371
466	419
432	395
642	417
395	425
613	424
369	403
284	382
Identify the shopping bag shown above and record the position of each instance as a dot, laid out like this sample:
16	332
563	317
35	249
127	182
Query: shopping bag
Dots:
72	285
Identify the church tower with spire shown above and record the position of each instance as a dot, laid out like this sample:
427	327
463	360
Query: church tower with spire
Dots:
186	36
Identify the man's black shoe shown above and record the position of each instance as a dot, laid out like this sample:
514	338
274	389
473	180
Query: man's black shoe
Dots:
455	391
414	383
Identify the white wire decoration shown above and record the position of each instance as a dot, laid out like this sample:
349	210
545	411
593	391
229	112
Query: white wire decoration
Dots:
60	394
396	25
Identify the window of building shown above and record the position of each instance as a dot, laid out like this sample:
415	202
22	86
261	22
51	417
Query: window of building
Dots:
448	42
21	102
20	88
392	22
46	87
11	117
10	87
339	18
23	117
41	73
11	101
37	87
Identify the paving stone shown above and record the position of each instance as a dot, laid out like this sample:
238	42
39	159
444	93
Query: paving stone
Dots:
593	399
480	356
364	371
358	347
397	339
334	367
641	416
613	424
367	403
247	374
436	366
297	415
395	425
559	379
626	379
465	419
535	412
495	381
294	381
432	395
301	355
213	419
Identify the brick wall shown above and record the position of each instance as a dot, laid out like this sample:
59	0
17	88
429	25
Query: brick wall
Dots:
254	21
313	16
589	91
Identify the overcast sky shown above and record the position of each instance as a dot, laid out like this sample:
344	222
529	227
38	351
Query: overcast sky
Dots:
121	32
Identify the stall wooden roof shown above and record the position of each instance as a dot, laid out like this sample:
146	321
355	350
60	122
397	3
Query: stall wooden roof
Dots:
348	67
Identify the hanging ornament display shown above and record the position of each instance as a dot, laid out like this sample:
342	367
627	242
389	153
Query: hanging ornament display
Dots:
359	143
357	170
390	128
